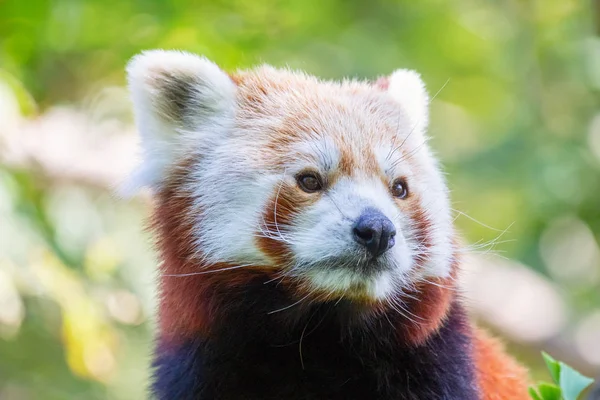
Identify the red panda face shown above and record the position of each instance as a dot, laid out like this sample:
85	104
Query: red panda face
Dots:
329	185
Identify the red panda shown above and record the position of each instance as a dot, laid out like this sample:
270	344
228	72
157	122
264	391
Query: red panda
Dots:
306	239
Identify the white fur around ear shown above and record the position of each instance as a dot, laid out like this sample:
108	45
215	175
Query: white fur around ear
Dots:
408	89
181	102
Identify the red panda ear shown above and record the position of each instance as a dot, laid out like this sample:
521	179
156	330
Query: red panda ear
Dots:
407	88
179	100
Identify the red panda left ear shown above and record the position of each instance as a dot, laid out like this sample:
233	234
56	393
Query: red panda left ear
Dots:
408	89
182	102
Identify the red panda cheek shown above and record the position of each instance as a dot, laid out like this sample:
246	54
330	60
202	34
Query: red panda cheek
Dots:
430	303
278	216
421	226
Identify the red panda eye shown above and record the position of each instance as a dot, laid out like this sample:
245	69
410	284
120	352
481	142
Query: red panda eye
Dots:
309	182
400	189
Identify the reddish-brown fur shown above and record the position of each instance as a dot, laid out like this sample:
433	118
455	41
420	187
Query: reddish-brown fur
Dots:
422	230
500	377
286	202
428	309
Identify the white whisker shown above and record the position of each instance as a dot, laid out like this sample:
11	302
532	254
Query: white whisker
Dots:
291	305
209	271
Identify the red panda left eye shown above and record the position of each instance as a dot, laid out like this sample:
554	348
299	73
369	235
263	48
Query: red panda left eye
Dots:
309	182
400	188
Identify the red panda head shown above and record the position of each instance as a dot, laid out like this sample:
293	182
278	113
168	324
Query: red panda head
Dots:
330	186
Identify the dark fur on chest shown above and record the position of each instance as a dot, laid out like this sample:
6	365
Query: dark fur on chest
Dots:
323	351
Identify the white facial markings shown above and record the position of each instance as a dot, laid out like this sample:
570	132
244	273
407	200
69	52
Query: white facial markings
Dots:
322	152
231	210
435	202
349	283
320	237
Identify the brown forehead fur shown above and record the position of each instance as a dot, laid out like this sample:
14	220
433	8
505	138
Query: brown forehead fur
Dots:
290	107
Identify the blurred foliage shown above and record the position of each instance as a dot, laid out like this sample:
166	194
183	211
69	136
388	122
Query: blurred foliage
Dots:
568	383
514	120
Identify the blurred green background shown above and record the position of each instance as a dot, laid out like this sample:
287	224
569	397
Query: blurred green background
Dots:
515	122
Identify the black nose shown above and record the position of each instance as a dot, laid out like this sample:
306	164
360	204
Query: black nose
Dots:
375	231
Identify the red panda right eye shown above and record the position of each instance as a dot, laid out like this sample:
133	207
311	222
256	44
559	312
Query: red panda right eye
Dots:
309	182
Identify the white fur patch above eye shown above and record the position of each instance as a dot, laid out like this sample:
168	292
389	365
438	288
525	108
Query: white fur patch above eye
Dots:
408	89
181	102
322	152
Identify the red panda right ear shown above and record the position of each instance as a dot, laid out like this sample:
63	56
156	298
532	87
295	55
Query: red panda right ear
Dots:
408	90
182	102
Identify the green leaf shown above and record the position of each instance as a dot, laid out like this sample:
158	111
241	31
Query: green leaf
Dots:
572	382
553	366
534	395
549	391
